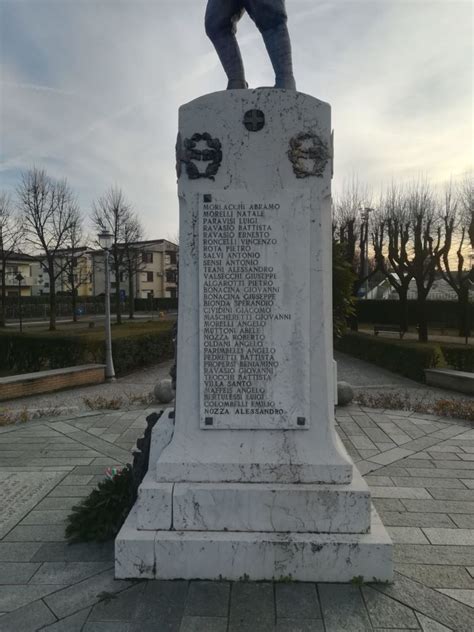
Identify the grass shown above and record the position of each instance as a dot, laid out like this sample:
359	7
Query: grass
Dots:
82	329
8	417
116	403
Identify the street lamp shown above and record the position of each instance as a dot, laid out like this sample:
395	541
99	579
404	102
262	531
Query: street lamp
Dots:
365	217
105	242
19	277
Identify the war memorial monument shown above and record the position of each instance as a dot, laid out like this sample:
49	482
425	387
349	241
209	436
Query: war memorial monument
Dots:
247	477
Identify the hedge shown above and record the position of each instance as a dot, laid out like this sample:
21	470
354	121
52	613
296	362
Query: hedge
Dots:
27	353
387	312
460	357
145	304
406	358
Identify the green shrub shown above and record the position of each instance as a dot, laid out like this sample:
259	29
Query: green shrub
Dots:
460	357
406	358
30	352
98	517
388	312
134	352
27	353
156	304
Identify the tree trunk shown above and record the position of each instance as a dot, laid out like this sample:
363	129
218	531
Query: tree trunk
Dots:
463	315
422	317
3	318
52	298
403	297
131	297
73	302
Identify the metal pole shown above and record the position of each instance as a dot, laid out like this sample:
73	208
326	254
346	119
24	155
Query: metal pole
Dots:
19	306
109	363
367	255
367	210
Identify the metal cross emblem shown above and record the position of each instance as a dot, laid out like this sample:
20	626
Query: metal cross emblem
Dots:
254	120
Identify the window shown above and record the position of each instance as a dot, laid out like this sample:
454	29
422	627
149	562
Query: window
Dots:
172	258
149	277
170	276
147	257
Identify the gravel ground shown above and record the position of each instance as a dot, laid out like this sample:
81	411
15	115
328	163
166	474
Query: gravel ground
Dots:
364	376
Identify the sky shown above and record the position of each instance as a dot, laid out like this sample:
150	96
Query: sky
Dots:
90	90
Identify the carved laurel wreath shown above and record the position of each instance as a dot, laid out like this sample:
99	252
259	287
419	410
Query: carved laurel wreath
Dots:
300	153
188	154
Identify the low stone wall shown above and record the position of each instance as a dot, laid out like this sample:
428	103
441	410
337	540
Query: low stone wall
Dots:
460	381
27	384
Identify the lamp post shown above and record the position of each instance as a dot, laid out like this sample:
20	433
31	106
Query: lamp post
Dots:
105	242
365	217
19	277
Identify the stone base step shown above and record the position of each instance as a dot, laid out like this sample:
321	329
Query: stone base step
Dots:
254	556
254	507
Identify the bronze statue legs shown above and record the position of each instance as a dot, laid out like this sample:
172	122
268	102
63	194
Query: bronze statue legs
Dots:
270	18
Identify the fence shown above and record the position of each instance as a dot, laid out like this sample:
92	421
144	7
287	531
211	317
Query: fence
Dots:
38	306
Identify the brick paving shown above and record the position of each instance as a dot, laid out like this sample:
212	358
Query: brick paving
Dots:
421	472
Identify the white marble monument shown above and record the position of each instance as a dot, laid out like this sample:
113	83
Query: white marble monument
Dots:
247	477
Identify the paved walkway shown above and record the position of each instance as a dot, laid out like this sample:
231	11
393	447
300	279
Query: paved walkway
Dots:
421	472
369	378
130	388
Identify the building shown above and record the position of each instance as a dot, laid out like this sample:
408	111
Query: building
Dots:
153	266
19	263
440	290
74	271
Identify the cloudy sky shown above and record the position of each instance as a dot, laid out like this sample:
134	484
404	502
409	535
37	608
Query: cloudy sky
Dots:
90	89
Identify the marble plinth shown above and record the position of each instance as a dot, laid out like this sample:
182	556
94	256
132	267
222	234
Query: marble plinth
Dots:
276	507
317	557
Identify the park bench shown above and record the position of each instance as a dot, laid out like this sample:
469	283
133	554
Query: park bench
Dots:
439	326
389	329
14	386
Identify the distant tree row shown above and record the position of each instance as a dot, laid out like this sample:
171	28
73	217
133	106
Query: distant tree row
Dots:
44	218
410	233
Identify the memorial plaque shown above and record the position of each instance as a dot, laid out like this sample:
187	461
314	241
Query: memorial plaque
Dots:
20	492
254	266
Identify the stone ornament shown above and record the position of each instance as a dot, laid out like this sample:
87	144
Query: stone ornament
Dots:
308	154
188	153
254	120
179	155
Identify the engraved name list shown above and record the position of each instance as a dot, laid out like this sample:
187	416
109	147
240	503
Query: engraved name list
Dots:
250	331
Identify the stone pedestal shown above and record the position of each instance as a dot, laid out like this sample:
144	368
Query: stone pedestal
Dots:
248	477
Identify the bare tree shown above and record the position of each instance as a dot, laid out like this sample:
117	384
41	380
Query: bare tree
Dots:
48	208
466	201
11	238
390	239
112	213
351	228
427	247
74	275
457	219
133	232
